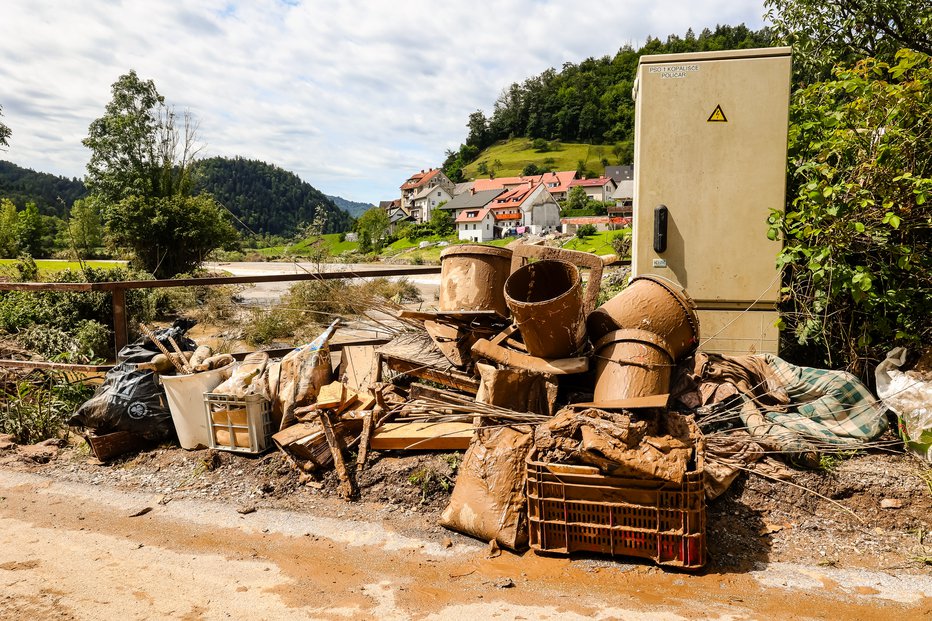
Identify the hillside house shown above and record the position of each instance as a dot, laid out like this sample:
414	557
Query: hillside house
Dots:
557	183
624	200
418	186
620	173
528	208
425	201
476	224
600	189
471	200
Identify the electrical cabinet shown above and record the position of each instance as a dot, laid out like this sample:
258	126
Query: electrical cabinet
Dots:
709	166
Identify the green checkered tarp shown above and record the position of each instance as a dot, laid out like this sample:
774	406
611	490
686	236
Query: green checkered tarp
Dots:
826	406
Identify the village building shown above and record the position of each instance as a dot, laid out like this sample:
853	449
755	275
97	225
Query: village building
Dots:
600	189
471	200
624	200
620	173
418	187
425	201
557	183
476	225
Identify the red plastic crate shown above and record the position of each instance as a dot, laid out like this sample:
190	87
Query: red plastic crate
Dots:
578	509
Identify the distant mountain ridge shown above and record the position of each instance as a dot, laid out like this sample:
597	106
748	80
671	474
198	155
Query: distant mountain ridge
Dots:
354	208
264	197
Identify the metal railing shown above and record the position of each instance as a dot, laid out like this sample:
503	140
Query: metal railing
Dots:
118	290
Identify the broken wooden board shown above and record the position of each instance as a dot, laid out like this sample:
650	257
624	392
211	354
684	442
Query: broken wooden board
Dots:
356	365
422	436
331	396
454	342
508	357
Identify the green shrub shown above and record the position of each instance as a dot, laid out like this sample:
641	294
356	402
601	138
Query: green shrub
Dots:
585	230
34	406
857	253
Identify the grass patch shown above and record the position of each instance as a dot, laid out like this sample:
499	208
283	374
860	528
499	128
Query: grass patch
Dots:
50	266
600	243
303	248
515	154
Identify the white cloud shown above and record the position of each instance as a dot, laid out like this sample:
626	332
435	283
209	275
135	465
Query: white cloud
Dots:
350	95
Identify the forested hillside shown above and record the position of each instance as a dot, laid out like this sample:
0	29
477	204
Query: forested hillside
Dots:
22	185
587	102
266	198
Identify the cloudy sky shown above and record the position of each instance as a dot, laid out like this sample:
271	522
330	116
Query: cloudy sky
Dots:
351	95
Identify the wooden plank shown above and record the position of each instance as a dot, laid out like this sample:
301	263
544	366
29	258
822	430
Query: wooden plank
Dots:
652	401
422	436
356	366
347	483
364	438
451	379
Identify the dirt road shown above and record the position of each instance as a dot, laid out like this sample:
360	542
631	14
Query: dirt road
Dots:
74	551
269	293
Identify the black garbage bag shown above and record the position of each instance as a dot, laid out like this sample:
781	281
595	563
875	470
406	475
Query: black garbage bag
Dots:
129	400
143	349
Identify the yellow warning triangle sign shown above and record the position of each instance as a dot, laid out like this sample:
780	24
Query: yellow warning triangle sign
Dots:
717	116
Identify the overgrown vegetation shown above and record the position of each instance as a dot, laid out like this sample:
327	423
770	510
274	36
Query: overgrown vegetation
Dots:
34	405
312	304
858	227
71	326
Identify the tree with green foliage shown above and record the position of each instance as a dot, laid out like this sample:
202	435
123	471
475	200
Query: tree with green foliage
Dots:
857	249
170	235
140	171
374	225
5	132
532	169
31	231
85	230
136	147
441	221
825	33
9	229
576	198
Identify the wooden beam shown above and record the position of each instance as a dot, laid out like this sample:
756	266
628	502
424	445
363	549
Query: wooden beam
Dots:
120	333
422	436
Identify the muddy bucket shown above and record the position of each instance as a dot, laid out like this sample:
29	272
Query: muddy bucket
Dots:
472	278
653	304
545	299
631	363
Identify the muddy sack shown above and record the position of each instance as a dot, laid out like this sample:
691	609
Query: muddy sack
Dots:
488	501
130	400
143	349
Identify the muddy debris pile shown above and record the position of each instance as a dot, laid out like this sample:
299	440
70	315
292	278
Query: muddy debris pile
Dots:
586	428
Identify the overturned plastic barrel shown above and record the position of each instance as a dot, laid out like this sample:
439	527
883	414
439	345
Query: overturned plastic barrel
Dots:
472	278
545	299
654	304
631	363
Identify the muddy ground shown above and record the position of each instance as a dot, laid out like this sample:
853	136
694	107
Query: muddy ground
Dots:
871	511
215	512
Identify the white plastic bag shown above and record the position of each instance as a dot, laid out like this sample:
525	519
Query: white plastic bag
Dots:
909	396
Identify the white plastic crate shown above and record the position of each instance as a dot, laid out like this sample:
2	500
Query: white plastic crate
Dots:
240	425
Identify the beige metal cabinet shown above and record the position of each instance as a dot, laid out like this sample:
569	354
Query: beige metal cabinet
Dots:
710	146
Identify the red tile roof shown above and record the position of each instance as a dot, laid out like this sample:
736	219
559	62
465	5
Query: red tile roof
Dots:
418	179
480	214
562	178
590	183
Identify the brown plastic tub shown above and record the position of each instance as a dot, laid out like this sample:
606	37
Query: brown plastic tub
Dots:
545	299
472	278
654	304
631	363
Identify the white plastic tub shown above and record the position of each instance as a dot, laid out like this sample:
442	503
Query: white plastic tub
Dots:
185	394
